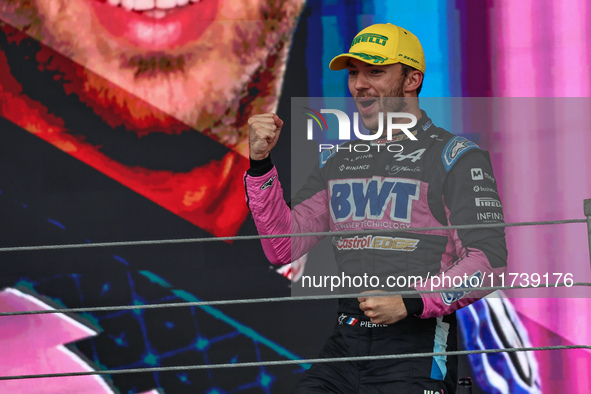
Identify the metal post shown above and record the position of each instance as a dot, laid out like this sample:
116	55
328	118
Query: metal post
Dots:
587	208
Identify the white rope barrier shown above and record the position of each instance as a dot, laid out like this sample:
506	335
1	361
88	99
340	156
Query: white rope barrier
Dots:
258	237
278	299
292	362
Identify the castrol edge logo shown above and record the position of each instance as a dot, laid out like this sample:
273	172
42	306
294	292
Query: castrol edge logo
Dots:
376	242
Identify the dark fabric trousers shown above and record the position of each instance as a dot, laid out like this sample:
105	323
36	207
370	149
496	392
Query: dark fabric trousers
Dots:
406	375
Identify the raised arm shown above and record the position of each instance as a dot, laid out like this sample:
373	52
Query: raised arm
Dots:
264	196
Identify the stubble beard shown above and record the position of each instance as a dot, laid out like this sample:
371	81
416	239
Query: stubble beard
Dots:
393	101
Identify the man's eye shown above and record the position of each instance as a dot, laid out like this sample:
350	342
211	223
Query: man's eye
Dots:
377	71
352	72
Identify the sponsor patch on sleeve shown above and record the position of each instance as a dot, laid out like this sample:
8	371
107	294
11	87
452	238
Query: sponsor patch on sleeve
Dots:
454	149
325	155
268	183
474	281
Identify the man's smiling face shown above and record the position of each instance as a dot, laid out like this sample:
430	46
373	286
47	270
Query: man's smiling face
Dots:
376	89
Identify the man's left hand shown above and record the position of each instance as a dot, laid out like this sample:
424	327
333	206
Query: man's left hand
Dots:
383	310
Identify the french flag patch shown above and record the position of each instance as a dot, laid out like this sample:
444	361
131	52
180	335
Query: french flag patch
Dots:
352	321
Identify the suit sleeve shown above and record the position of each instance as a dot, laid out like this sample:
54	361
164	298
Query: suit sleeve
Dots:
470	196
272	216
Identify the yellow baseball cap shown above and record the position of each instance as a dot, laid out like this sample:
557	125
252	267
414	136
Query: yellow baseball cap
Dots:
383	44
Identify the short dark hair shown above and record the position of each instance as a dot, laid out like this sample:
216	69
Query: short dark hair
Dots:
407	70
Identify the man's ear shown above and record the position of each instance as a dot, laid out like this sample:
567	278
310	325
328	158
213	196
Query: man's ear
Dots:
413	80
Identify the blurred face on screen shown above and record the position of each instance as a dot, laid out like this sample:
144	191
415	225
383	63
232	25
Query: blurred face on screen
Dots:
206	63
155	73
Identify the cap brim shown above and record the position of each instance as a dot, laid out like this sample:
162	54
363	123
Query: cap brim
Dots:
340	62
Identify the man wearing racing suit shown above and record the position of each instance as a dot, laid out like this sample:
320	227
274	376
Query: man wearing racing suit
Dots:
432	179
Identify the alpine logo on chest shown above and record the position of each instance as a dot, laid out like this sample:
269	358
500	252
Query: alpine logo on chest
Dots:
360	199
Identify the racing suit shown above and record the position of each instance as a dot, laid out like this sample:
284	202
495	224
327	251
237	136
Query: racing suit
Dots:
438	180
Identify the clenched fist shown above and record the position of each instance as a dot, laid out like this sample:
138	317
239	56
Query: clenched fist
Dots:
263	133
383	310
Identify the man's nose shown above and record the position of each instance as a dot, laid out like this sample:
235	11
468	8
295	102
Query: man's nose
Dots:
361	82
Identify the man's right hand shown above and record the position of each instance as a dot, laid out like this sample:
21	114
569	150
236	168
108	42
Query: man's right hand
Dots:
263	133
